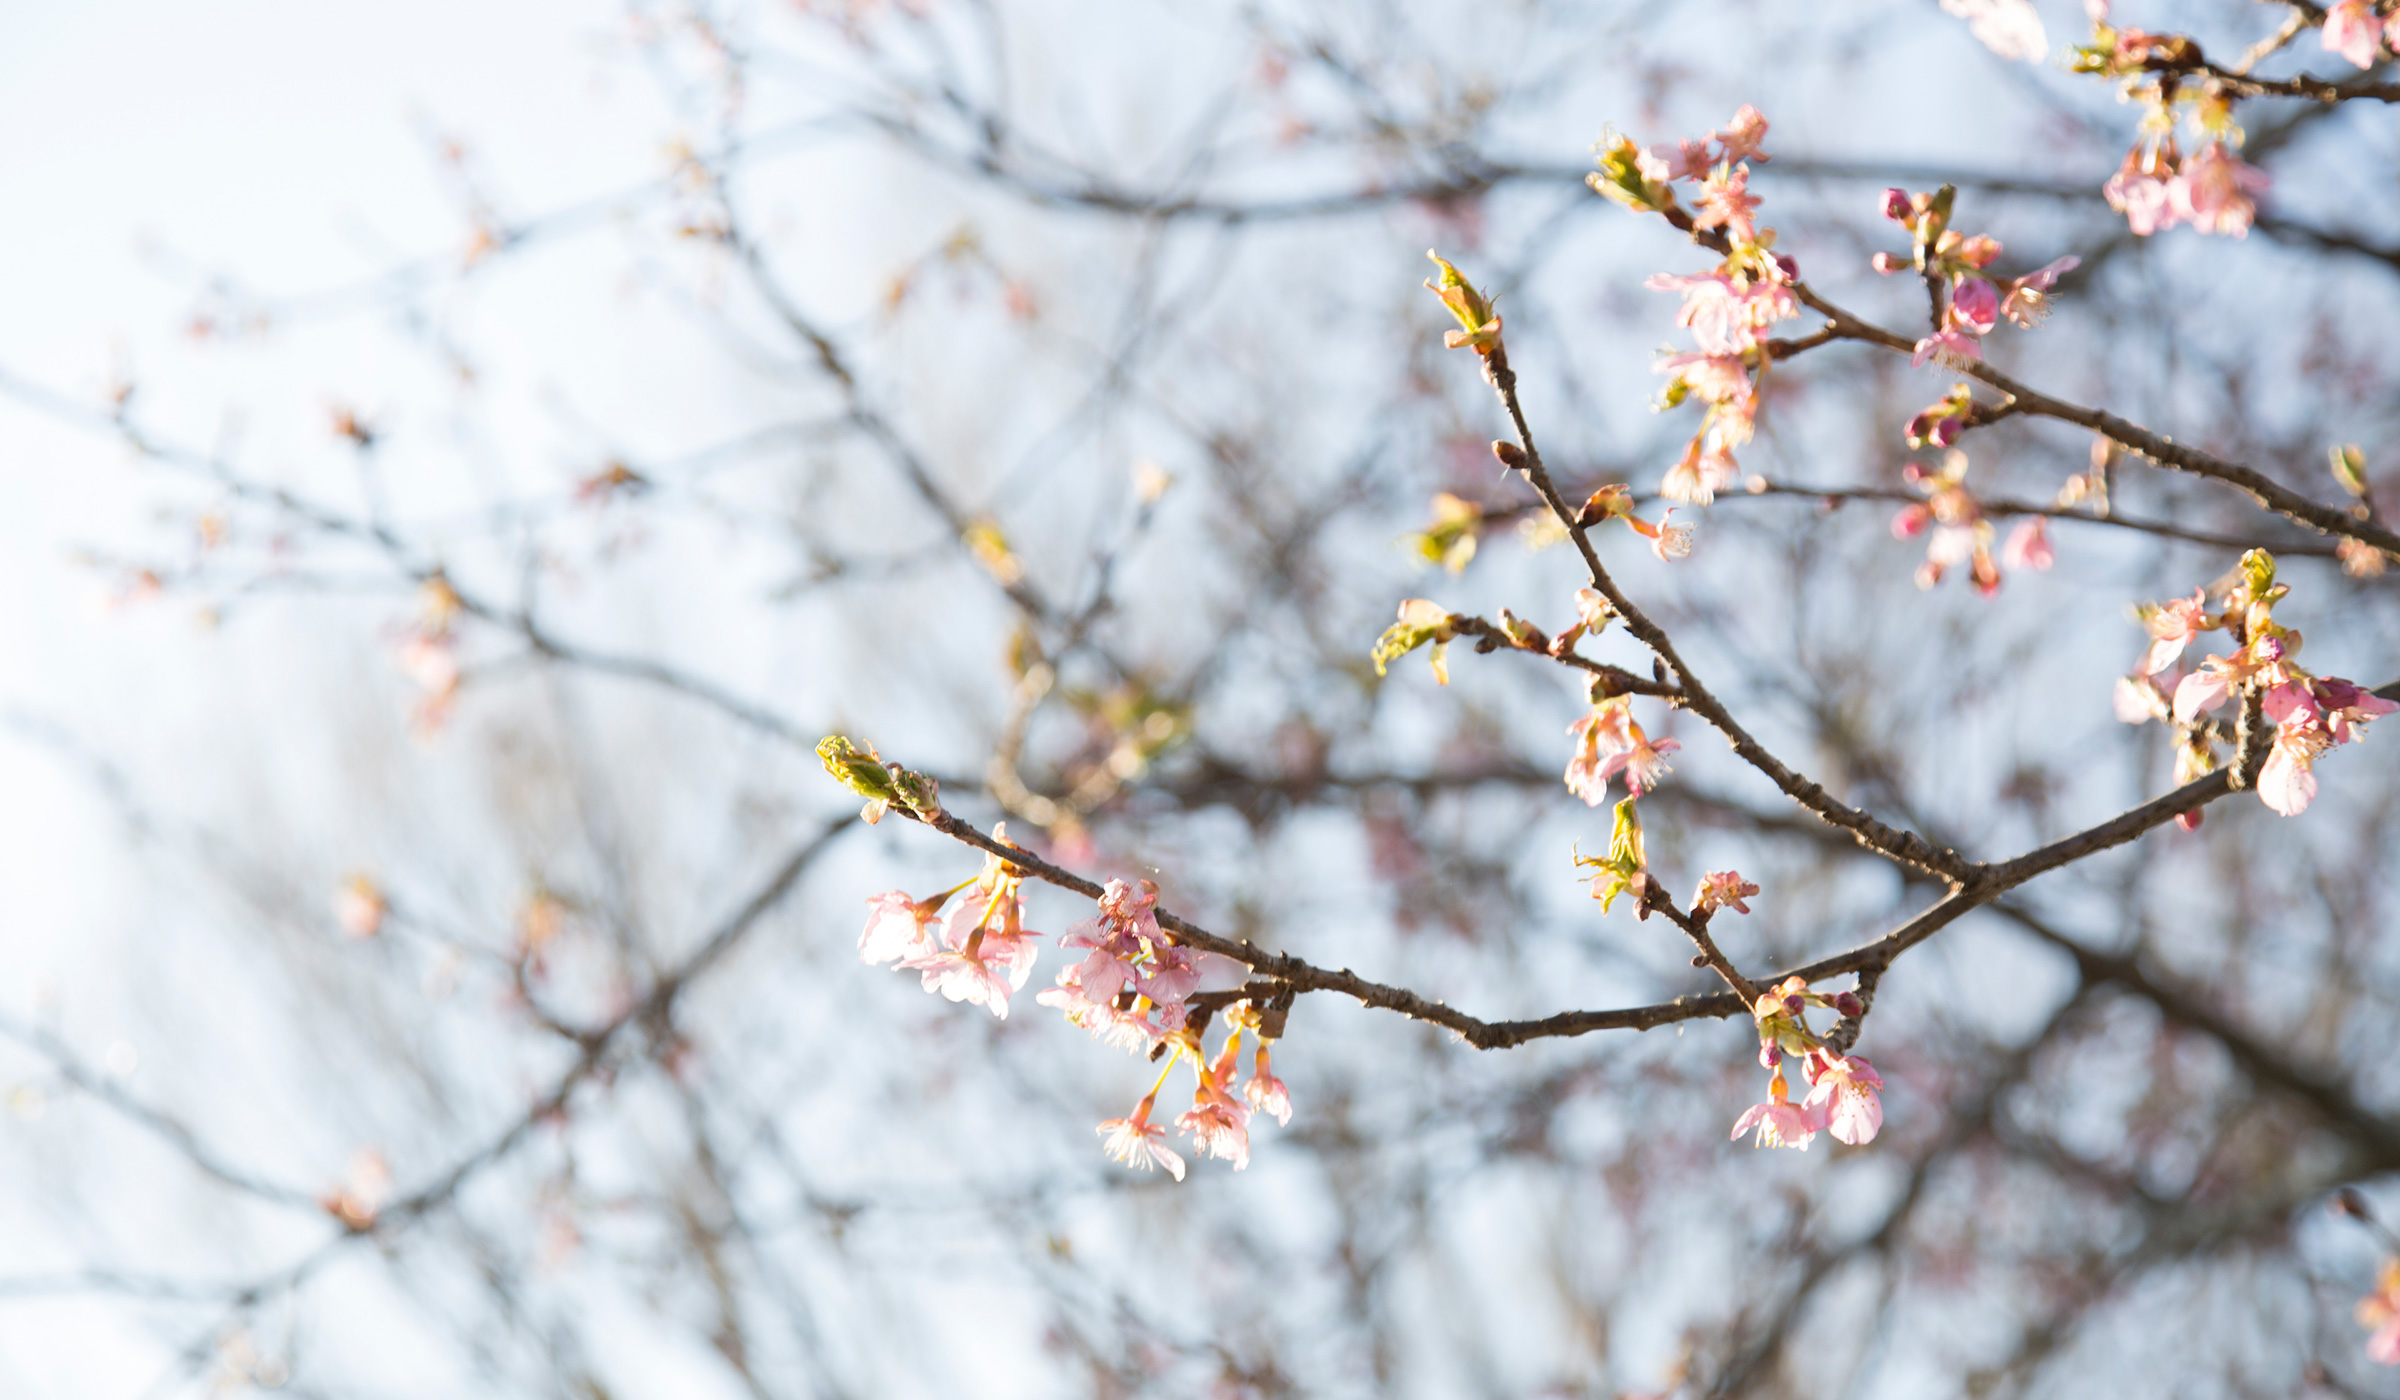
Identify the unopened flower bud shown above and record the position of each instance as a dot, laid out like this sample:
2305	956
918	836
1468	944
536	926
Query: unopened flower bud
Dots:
1795	1003
1848	1005
1770	1055
1511	456
1888	263
1896	207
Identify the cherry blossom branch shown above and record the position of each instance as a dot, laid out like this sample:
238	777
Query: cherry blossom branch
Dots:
1904	846
2268	493
2008	509
2022	398
1493	637
1695	927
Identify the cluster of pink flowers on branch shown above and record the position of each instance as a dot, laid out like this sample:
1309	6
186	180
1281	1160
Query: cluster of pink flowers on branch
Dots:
1961	534
1974	302
1728	310
1218	1122
1130	991
2310	714
977	953
1842	1096
1134	990
2159	187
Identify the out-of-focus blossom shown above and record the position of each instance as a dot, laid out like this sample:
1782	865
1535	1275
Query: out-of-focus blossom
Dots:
1950	346
2353	31
359	907
2028	545
2215	192
2379	1311
2010	28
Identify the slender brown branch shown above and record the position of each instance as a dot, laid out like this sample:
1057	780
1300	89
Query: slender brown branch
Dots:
2267	492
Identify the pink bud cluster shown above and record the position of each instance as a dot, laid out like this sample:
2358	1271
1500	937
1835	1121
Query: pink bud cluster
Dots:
1975	301
2311	714
978	953
1842	1097
1961	534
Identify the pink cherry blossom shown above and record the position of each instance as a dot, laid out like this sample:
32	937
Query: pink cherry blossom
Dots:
1724	316
1780	1124
898	927
2347	706
1685	160
1975	305
2028	299
1952	347
2173	625
1218	1122
2287	781
1599	736
2028	545
1140	1143
1844	1093
2141	193
1741	136
1725	889
982	977
2213	194
2204	689
1267	1094
984	951
2139	699
1726	202
1704	469
2352	30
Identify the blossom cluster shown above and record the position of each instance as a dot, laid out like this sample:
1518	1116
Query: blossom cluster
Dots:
2310	713
1728	310
970	944
1960	533
979	952
1974	301
1130	991
2158	187
1842	1096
